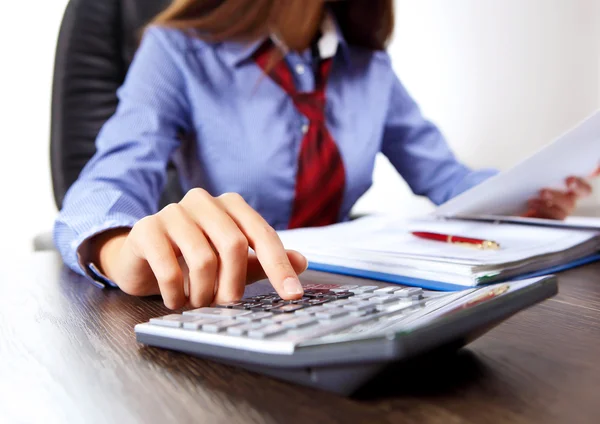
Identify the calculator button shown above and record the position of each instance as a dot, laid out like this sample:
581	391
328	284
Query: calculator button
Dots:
267	307
342	295
218	326
217	312
385	290
371	309
257	298
381	300
173	320
303	301
365	296
319	293
279	318
331	313
287	308
240	330
256	316
344	288
268	331
357	306
305	312
320	286
199	322
271	299
316	302
364	289
413	292
229	305
299	322
336	304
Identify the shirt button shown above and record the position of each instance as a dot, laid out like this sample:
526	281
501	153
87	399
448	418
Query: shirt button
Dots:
300	69
304	128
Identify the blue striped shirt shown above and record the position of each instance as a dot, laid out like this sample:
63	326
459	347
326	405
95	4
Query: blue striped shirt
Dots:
243	135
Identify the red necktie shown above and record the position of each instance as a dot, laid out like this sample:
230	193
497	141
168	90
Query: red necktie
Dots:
321	178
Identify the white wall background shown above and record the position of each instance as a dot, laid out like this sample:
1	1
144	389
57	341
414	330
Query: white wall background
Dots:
28	33
501	78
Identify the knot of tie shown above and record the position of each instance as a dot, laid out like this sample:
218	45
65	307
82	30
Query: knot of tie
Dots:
311	105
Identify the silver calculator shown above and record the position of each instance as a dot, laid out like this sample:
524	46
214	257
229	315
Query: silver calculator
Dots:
337	337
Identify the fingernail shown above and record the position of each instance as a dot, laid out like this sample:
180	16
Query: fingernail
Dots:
292	286
547	195
572	186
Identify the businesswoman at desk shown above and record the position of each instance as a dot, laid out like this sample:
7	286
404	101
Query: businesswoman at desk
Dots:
274	112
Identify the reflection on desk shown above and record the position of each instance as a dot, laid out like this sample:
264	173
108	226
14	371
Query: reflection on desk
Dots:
68	354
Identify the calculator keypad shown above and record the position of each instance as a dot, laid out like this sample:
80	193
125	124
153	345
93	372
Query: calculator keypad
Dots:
322	308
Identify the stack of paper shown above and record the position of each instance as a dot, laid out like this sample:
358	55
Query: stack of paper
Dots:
384	248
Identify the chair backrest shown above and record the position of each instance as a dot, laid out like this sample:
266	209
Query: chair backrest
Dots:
96	43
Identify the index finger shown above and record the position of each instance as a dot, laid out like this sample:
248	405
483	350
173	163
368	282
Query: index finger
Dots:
266	244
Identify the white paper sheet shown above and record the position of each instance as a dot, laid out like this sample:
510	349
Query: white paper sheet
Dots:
575	153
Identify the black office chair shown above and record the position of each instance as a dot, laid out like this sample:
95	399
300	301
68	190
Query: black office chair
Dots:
96	43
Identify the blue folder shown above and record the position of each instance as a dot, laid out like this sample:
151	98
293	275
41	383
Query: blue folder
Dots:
438	285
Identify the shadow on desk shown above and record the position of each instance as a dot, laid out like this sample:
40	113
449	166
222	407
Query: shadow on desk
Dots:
442	372
436	374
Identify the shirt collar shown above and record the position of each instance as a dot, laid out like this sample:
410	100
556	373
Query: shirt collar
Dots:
332	42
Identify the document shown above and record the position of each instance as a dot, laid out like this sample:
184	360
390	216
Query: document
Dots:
576	153
385	245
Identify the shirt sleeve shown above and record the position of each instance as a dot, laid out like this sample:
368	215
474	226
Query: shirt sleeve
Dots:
419	152
123	181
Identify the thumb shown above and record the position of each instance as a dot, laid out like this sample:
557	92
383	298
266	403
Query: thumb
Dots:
256	272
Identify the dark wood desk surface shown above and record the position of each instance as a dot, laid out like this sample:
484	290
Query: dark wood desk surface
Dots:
68	354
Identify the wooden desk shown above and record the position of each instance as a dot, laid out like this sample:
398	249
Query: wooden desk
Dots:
68	354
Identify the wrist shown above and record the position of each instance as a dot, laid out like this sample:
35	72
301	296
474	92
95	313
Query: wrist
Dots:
105	248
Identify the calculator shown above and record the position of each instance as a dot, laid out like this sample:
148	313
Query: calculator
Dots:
338	337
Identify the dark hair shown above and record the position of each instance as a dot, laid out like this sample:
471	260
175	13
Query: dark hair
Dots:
364	23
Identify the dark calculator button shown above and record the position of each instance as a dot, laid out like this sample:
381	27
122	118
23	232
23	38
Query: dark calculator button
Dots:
287	308
317	293
250	305
271	299
343	295
258	297
230	305
260	308
319	301
268	306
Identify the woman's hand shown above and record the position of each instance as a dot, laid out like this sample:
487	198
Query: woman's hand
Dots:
212	235
558	204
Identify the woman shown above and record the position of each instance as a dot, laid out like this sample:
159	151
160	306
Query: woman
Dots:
286	104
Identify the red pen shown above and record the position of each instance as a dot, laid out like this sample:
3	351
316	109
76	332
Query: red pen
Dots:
464	241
